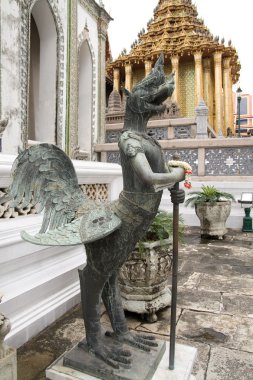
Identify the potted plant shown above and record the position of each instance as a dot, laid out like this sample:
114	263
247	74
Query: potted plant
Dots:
212	207
144	278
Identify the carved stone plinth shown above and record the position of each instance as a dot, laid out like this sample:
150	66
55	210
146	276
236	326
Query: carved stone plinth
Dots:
144	279
8	365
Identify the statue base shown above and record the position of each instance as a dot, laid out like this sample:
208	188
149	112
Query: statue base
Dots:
149	366
143	365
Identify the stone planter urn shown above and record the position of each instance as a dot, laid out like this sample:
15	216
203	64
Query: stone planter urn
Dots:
144	279
213	217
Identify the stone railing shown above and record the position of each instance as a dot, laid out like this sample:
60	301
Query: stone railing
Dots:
167	126
208	157
163	129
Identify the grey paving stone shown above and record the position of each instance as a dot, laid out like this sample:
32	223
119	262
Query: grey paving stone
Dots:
183	277
220	283
217	329
208	264
237	305
162	326
199	300
228	364
218	254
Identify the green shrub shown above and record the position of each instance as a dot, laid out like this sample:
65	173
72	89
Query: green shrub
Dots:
208	194
161	228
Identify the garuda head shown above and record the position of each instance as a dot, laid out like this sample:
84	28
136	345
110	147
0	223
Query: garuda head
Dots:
147	96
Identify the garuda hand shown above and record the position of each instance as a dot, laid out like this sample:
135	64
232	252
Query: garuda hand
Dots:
177	196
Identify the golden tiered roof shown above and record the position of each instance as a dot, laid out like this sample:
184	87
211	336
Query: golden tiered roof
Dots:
176	30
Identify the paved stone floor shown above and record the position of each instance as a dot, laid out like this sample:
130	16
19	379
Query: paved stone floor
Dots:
215	313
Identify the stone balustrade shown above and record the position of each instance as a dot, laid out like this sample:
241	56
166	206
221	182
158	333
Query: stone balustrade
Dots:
215	158
163	129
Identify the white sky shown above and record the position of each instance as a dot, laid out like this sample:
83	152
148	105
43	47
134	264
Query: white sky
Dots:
231	19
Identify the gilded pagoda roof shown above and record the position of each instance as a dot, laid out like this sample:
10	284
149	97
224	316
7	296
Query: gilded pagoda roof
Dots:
176	29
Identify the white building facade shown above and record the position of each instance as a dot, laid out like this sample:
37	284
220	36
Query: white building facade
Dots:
52	78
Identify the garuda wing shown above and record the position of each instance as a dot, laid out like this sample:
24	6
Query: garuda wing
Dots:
44	175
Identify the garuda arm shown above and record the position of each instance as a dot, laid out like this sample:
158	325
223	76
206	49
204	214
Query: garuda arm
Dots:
43	175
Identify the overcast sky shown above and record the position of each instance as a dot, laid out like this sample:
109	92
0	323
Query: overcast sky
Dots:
231	19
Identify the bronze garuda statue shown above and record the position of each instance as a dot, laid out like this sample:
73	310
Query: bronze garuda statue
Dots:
44	175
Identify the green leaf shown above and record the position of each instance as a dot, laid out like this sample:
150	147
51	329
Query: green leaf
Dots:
207	194
160	229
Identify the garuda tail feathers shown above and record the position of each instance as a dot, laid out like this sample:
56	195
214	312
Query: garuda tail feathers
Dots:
93	225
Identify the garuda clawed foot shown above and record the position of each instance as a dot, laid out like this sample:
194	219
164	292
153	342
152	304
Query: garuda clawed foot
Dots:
111	356
143	342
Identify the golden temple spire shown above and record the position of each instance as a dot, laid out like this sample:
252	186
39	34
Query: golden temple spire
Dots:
176	29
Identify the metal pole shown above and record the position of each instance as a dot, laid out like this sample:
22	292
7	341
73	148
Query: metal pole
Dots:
239	116
173	320
239	98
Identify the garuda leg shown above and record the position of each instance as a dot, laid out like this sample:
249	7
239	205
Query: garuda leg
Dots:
91	287
112	300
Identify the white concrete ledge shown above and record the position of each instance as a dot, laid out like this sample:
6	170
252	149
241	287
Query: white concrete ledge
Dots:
88	172
39	283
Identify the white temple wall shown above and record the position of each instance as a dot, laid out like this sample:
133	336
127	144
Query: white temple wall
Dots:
85	98
88	32
62	67
10	74
56	22
34	84
86	19
45	117
15	70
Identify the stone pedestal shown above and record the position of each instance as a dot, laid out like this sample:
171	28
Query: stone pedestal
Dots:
8	365
184	360
202	120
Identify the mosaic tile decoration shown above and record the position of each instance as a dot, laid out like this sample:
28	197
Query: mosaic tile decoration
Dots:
188	155
229	161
